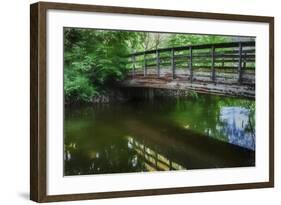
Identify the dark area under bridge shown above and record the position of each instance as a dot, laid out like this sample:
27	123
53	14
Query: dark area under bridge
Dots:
222	69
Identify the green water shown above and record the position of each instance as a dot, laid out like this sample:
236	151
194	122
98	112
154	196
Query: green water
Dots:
161	134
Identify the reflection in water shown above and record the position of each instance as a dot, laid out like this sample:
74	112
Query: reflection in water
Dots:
236	121
153	161
158	135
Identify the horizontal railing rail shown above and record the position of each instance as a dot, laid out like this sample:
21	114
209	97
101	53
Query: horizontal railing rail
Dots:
203	46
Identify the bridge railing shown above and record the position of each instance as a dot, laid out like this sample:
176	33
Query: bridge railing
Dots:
227	62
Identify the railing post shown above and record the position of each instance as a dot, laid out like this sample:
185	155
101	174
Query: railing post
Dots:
213	75
157	64
190	64
170	165
173	63
145	68
240	64
245	60
134	68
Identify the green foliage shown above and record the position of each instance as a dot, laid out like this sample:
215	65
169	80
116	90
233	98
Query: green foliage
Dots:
78	89
184	39
193	94
93	59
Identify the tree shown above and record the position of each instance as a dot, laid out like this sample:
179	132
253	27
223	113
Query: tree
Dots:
94	59
190	39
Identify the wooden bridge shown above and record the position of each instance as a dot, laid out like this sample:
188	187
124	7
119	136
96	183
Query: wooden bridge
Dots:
223	68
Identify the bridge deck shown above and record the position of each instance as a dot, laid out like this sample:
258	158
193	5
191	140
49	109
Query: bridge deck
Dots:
209	87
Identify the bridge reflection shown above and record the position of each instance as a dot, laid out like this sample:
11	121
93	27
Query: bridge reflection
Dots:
153	161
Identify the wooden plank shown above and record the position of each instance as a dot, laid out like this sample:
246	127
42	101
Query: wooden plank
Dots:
200	56
152	66
199	63
217	55
202	46
223	88
220	60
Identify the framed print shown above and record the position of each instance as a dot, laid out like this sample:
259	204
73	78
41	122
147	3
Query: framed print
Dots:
134	102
